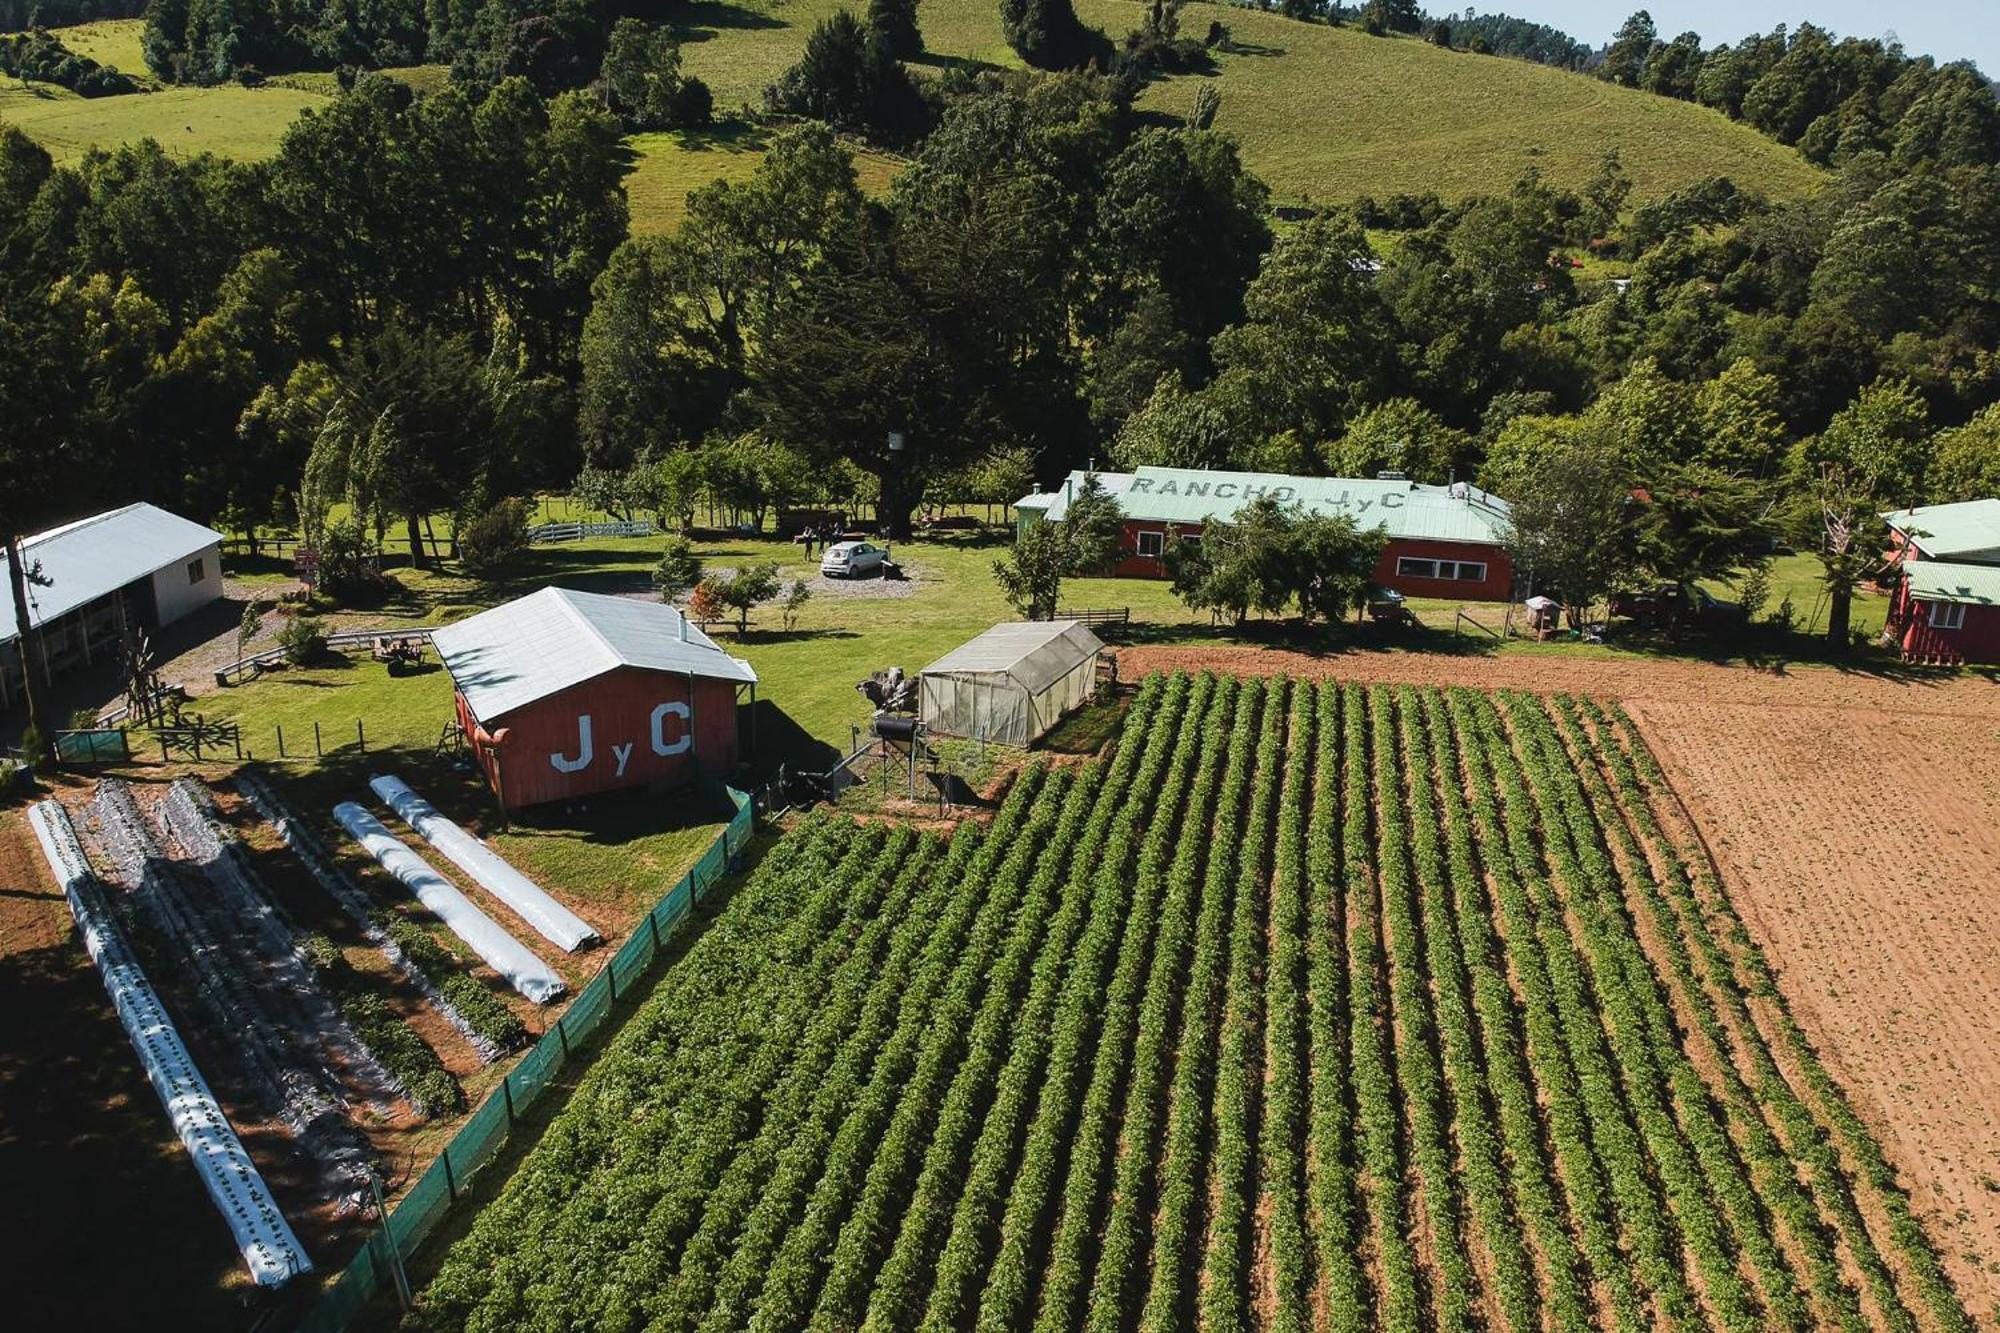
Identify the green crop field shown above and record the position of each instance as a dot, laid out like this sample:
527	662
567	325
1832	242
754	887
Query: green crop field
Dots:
1322	113
1308	1006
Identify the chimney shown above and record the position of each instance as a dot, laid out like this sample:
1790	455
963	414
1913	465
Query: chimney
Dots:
684	627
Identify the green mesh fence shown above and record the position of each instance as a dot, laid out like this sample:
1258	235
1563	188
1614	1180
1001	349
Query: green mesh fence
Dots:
487	1129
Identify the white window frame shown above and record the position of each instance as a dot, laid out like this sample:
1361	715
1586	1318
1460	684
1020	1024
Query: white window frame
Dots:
1947	615
1159	544
1416	567
1465	565
197	570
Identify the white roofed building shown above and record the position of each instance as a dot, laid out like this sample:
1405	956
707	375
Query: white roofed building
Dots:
564	693
92	580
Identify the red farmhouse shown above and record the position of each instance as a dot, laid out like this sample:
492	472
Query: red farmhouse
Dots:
563	694
1946	606
1444	541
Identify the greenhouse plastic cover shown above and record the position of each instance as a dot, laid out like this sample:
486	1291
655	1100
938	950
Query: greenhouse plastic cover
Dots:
1033	653
270	1250
502	952
556	923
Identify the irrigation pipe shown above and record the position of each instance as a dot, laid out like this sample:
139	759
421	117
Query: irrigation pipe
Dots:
502	952
554	922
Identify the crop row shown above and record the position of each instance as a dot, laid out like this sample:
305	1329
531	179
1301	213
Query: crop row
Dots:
1693	890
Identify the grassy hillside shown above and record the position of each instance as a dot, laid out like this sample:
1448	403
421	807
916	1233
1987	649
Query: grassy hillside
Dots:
667	166
234	122
1323	114
1331	113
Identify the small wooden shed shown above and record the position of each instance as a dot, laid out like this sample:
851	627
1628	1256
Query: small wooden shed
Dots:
565	694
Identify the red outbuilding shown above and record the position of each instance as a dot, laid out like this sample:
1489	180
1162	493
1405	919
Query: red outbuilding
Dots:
565	694
1945	607
1443	541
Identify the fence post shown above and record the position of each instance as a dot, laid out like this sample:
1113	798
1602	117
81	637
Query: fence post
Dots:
360	736
562	1035
507	1095
281	741
318	750
450	1179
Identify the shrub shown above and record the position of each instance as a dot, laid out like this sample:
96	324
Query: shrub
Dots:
303	638
679	569
491	541
795	601
350	569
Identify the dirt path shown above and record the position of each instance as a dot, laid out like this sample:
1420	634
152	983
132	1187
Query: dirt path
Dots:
1855	817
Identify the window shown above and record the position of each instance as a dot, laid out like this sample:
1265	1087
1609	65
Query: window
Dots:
1463	571
1947	615
1151	544
196	572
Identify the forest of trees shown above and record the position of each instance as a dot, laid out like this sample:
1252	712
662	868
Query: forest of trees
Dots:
1836	100
429	304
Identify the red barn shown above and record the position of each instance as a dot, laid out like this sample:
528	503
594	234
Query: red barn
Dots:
1946	604
1444	541
563	694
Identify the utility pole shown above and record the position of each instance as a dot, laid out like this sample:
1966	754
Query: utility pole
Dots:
18	578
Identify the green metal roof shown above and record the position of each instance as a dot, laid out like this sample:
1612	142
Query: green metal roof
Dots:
1943	581
1967	528
1457	513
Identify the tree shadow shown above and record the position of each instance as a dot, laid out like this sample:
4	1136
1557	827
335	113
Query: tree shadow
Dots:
704	19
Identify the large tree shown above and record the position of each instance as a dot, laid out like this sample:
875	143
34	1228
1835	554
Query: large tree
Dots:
1872	457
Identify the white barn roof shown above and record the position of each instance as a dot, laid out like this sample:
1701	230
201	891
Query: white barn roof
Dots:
544	643
94	557
1407	509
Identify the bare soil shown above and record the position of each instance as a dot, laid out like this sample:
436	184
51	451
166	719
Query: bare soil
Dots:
1855	817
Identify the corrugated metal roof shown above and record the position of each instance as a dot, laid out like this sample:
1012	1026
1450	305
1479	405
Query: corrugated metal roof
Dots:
1033	652
94	556
1409	509
1943	581
544	643
1966	528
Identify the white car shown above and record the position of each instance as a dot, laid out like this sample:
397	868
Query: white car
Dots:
849	559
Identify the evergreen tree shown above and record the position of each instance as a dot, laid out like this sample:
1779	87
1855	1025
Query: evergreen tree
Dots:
1048	35
893	25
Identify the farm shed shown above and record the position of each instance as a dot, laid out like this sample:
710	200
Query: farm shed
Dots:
1012	683
1444	541
1947	612
136	567
564	694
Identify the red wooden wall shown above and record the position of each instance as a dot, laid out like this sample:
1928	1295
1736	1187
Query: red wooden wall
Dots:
1976	641
541	755
1498	585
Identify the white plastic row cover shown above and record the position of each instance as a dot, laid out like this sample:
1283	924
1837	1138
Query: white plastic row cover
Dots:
502	952
270	1250
556	923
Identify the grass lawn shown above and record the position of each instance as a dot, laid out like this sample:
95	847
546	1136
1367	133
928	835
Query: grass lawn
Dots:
242	123
112	42
806	695
667	166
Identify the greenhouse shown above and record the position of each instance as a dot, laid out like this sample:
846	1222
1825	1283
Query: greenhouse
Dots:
1012	683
